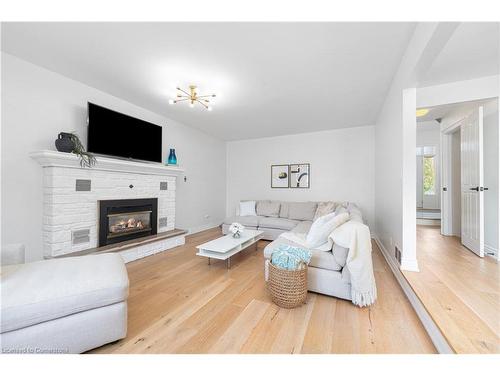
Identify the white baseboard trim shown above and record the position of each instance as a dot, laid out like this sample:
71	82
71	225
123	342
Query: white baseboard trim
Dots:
201	228
430	326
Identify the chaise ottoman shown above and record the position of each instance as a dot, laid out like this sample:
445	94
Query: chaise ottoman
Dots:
67	305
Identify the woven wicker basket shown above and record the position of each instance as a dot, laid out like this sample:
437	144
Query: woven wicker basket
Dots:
288	288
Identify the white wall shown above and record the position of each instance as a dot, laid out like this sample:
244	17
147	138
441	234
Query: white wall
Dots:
37	104
395	140
342	167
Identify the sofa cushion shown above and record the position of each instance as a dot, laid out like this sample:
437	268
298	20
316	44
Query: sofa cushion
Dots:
324	208
284	210
354	212
340	254
247	221
341	210
324	259
268	208
41	291
302	227
301	210
319	259
277	223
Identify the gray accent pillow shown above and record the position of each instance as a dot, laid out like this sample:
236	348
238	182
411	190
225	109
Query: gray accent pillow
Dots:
340	210
268	208
324	208
355	212
302	210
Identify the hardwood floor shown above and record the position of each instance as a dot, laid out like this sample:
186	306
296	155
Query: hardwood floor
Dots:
460	290
180	304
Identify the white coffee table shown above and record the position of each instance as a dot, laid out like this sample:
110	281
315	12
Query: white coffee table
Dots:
225	247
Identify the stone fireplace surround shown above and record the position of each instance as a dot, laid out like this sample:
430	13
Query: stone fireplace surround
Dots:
71	200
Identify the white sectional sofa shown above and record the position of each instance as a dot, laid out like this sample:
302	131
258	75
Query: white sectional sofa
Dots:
275	217
327	273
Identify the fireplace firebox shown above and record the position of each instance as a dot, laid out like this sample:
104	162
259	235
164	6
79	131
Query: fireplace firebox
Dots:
126	219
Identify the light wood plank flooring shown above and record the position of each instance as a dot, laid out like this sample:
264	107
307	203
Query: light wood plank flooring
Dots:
460	290
180	304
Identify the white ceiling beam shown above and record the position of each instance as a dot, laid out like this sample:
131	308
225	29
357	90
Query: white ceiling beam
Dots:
440	37
457	92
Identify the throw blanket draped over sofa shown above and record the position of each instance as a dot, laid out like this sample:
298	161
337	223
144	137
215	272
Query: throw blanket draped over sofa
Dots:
356	237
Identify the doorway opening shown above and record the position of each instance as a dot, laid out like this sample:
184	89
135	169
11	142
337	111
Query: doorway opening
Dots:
457	173
457	155
428	182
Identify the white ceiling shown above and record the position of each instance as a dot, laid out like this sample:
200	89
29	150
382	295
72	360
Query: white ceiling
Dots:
471	52
271	78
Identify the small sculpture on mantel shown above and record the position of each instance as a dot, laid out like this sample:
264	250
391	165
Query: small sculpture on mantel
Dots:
69	142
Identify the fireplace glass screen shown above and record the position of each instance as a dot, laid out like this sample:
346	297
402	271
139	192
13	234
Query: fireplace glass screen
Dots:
127	219
127	223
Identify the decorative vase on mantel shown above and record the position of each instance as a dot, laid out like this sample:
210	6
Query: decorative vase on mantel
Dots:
172	158
64	142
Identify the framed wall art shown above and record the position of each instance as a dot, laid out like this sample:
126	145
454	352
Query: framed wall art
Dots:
280	176
300	176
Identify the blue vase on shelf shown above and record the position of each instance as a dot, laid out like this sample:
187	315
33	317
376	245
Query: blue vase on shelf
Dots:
172	158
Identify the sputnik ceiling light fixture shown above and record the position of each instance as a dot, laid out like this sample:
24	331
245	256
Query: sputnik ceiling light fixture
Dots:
192	97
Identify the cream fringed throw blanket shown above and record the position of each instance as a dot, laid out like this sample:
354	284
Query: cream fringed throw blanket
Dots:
355	236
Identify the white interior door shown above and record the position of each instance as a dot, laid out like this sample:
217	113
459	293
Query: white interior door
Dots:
471	156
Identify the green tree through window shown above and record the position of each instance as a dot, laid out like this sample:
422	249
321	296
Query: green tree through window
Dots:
429	176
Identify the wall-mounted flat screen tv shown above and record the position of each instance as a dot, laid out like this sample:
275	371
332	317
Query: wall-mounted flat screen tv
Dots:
116	134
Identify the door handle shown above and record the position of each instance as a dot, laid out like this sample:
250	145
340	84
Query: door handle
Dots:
483	188
476	188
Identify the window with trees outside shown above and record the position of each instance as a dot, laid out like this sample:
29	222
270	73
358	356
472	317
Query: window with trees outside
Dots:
429	176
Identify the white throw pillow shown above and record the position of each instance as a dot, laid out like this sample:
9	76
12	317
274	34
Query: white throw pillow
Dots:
322	228
247	208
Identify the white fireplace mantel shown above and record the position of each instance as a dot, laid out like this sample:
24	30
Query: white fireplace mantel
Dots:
49	158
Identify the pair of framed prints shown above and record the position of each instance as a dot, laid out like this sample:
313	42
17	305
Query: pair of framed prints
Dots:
291	176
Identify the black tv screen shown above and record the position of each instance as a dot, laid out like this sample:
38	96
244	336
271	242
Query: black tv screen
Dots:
113	133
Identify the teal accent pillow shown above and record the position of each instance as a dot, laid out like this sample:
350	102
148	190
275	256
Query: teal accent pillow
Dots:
290	257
